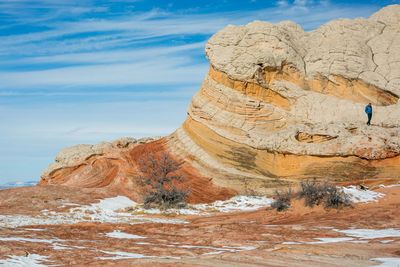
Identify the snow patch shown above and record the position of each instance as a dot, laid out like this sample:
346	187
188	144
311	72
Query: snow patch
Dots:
328	240
389	186
32	260
32	240
219	250
321	240
387	241
114	204
119	255
371	233
105	211
122	235
235	204
357	195
60	247
54	242
387	262
292	243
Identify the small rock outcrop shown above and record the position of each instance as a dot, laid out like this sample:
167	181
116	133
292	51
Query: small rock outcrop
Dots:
280	104
112	169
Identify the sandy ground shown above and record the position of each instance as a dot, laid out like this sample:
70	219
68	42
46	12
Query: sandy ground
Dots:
298	237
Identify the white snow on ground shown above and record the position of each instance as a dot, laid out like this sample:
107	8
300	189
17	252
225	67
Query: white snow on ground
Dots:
363	234
119	255
357	195
105	211
122	255
57	246
211	249
218	250
292	243
328	240
237	203
122	235
113	204
54	242
389	186
60	247
32	260
387	262
371	233
32	240
322	240
184	211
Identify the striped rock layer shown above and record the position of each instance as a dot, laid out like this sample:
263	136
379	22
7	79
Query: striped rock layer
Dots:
278	105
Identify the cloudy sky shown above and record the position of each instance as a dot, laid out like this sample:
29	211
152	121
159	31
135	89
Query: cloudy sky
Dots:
83	71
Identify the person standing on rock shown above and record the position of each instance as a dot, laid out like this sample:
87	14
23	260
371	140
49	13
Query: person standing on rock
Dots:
368	110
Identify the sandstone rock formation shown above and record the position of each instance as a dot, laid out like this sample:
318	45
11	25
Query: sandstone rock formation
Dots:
280	104
112	169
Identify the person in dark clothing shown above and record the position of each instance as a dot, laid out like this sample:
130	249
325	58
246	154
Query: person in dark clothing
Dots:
368	110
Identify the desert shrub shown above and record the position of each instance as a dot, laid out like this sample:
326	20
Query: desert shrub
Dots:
282	200
316	193
313	192
336	198
160	174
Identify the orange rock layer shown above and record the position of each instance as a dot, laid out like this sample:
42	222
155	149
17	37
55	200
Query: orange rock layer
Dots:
264	171
120	175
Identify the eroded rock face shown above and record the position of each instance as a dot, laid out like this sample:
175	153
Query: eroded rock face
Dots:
280	104
112	169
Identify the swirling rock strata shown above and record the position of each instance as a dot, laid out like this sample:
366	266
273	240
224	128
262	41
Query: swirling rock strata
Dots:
113	169
278	105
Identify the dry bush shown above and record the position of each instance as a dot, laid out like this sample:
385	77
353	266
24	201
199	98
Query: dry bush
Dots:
282	200
313	192
160	175
316	193
336	198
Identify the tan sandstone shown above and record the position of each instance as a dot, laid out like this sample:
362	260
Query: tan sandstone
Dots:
278	105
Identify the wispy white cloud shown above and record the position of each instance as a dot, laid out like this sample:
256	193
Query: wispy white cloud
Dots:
110	63
127	30
113	56
163	70
65	69
282	3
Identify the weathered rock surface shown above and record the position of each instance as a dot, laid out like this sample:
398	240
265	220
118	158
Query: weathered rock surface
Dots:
112	168
72	156
279	104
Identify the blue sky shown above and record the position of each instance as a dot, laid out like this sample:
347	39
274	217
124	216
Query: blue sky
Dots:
84	71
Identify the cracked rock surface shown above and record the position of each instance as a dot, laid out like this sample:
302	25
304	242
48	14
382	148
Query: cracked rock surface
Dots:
366	49
278	105
279	102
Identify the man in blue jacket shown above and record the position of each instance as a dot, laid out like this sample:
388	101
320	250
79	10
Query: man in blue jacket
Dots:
368	110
